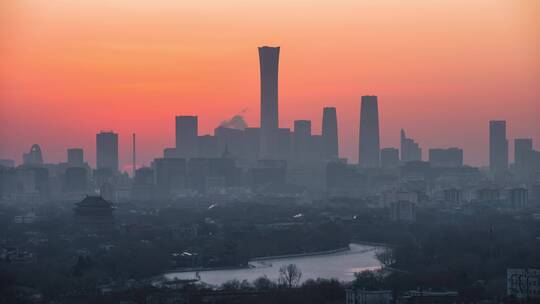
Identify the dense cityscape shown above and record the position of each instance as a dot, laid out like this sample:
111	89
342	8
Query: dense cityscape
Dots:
272	214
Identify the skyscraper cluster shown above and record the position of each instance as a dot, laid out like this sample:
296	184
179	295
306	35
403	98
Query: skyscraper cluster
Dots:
269	141
237	155
526	159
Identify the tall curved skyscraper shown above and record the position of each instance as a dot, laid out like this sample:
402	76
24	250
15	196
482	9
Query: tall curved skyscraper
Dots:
369	145
330	133
269	63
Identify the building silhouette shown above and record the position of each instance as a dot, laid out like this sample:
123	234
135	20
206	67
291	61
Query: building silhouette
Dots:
283	143
8	163
208	146
522	148
330	133
253	144
301	139
75	179
498	146
34	157
369	143
389	158
107	151
451	157
186	136
269	63
75	156
410	150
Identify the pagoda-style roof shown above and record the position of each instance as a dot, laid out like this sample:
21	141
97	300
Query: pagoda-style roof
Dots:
94	206
94	202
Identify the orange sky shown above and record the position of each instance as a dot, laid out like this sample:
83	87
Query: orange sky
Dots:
441	69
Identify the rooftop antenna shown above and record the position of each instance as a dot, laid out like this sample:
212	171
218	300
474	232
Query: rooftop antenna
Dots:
134	164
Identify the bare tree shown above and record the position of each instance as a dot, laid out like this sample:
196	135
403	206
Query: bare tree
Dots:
386	257
289	275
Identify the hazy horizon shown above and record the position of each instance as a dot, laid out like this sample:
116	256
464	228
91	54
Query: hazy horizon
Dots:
440	70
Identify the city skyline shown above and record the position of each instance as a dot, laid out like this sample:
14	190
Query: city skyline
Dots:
187	137
149	93
292	152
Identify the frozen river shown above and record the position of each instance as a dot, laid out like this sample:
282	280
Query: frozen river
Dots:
340	265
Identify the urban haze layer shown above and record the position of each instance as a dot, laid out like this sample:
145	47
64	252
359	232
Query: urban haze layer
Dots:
396	227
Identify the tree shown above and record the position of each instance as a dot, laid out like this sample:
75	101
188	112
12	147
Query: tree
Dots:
386	257
263	283
369	280
289	275
231	285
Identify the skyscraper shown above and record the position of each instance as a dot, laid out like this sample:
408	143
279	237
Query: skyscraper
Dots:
498	146
186	136
75	156
410	149
107	151
330	133
389	158
34	157
522	148
369	144
301	139
269	63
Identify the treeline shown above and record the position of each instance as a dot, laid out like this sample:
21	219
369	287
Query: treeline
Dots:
468	253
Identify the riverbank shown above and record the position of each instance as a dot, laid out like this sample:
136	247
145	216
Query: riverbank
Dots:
340	263
374	244
259	259
299	255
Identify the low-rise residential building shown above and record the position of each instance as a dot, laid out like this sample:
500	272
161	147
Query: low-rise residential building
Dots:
523	283
359	296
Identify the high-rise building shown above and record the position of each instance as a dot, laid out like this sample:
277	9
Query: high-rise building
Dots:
75	179
269	63
75	156
330	133
253	143
34	157
208	146
498	146
231	140
107	151
170	174
389	158
451	157
301	139
369	143
186	136
283	143
410	150
522	148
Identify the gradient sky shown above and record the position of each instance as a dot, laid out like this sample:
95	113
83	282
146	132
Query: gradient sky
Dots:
441	69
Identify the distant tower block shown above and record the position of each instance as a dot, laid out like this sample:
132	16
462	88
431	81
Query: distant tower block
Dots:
330	133
107	151
410	150
187	130
369	146
498	146
269	63
75	156
134	164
